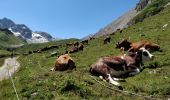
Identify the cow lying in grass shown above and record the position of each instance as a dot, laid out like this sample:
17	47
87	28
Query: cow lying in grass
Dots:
133	47
114	67
64	62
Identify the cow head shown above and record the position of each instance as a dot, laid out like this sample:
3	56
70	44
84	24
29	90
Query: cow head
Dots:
145	54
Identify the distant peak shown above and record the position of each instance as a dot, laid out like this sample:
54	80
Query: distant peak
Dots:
6	19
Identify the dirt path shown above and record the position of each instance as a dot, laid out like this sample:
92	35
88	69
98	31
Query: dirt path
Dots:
10	64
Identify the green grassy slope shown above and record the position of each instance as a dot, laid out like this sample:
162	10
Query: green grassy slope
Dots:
32	47
7	39
35	81
154	8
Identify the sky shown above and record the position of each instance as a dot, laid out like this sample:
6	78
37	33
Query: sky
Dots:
65	18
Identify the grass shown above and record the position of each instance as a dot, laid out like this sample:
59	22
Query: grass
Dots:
3	53
7	39
2	61
32	47
35	81
154	8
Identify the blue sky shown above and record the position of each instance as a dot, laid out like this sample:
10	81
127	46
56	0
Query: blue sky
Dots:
65	18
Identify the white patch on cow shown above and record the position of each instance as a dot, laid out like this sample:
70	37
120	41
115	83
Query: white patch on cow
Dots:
122	57
146	58
101	77
112	81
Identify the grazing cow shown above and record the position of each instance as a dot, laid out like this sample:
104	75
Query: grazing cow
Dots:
121	31
30	52
85	41
73	49
107	39
91	38
80	47
134	47
76	43
64	62
114	67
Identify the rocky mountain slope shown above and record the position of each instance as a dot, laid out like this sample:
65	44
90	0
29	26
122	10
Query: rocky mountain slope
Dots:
123	21
22	31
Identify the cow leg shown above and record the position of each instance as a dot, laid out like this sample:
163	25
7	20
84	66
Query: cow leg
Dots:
112	81
118	79
52	69
134	72
101	77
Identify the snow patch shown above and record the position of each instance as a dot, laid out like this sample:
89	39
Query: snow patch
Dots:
37	38
15	33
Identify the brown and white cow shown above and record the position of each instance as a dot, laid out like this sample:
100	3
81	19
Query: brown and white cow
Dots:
113	67
135	46
64	62
144	43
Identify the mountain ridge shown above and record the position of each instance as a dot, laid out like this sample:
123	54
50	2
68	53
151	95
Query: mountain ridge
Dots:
24	32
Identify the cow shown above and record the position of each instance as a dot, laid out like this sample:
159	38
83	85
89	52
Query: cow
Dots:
144	43
64	62
124	44
107	39
80	47
85	41
76	43
134	47
73	49
91	38
114	67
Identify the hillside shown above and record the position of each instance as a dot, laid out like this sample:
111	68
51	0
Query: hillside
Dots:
36	46
35	81
7	39
143	9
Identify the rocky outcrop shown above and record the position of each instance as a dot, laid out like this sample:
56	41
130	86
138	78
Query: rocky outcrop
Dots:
142	4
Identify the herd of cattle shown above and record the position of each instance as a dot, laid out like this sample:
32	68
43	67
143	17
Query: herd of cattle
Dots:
113	68
110	68
73	47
